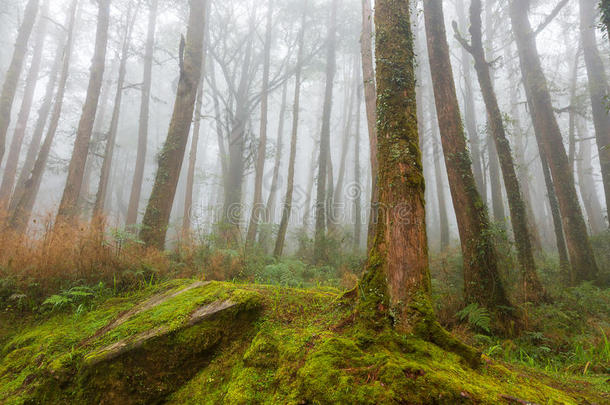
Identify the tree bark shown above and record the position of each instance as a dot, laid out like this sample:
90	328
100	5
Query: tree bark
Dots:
322	184
482	282
102	189
138	176
287	207
598	90
370	100
158	210
26	197
550	141
68	205
532	289
588	192
357	192
11	78
257	204
10	168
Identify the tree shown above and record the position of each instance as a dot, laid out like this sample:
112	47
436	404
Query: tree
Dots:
26	197
598	90
11	78
138	176
156	217
482	283
10	169
550	143
396	284
532	288
323	161
76	169
287	206
604	6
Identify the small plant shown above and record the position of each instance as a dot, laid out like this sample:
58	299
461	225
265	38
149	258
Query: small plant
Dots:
477	316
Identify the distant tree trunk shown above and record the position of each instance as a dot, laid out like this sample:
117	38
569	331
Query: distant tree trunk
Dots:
190	173
598	90
11	78
482	282
68	206
257	204
321	187
572	113
357	192
26	197
532	288
138	176
278	158
438	177
470	118
10	169
102	189
550	141
588	192
287	207
370	99
395	289
158	210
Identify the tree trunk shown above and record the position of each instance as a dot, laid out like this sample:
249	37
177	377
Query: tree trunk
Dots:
322	185
269	210
356	192
11	78
550	141
10	169
102	189
158	210
26	197
598	90
588	192
68	206
138	176
370	99
482	282
532	288
190	173
257	204
287	208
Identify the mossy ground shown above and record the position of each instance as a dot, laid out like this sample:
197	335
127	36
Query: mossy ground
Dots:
276	345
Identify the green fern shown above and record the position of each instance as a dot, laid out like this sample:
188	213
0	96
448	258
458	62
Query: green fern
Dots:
476	316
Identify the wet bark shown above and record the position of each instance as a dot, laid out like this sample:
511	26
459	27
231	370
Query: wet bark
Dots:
551	145
158	210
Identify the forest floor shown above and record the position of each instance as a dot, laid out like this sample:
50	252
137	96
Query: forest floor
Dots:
188	341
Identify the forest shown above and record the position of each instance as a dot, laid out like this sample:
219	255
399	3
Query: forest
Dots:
305	202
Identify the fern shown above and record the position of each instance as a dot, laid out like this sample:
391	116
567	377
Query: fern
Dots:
476	316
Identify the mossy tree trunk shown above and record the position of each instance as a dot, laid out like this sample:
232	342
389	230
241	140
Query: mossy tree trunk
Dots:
532	288
598	90
26	197
76	169
12	160
156	216
11	78
482	282
323	187
357	177
551	145
287	206
138	176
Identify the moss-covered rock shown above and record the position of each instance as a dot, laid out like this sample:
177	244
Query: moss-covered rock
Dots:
211	343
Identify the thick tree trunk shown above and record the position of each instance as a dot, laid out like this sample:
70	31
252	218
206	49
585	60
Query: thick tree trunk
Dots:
158	210
102	189
187	216
287	207
68	205
532	288
370	99
257	204
322	185
11	78
588	192
10	169
598	90
482	282
26	197
138	176
356	193
550	142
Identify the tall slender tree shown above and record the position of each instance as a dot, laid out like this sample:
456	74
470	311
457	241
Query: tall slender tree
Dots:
76	169
550	143
156	217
